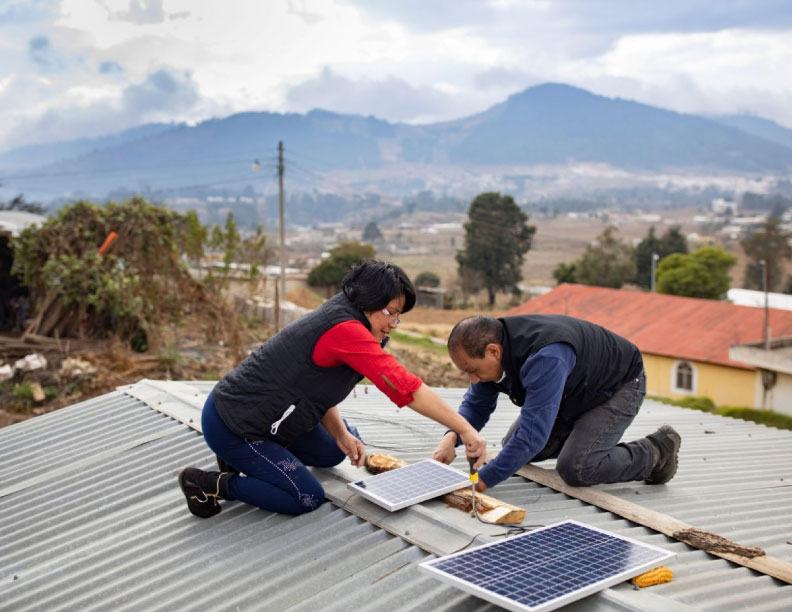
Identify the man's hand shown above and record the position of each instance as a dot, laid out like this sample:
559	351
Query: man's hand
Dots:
352	448
446	450
475	446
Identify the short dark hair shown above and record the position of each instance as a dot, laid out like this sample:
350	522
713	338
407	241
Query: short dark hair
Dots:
473	334
373	283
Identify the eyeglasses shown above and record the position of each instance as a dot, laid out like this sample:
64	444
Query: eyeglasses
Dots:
391	317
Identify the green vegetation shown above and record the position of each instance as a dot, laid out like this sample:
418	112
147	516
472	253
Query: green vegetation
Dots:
606	263
669	243
422	341
705	404
770	245
117	269
497	237
702	274
427	279
372	232
332	270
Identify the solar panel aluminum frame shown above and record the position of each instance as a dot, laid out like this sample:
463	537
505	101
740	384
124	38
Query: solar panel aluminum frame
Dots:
361	487
574	595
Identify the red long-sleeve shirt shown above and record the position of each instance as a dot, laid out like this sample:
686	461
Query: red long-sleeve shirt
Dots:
352	344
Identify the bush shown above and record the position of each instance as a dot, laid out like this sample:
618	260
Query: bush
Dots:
763	417
704	404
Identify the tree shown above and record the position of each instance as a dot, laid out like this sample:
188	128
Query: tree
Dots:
497	237
671	242
701	274
565	273
372	233
254	251
427	279
231	241
606	263
332	270
772	245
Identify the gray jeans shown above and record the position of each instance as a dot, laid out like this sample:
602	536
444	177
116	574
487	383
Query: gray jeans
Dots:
588	450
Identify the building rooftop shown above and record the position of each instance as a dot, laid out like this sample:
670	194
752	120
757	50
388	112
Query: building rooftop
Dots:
91	517
663	324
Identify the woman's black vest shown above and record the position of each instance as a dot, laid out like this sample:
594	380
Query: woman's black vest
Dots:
278	392
604	361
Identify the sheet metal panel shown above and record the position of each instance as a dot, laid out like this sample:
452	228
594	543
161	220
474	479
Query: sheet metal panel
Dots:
91	518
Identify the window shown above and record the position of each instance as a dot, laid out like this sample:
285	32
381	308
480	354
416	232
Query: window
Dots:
683	377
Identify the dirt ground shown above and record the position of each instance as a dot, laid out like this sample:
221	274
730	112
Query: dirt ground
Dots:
185	354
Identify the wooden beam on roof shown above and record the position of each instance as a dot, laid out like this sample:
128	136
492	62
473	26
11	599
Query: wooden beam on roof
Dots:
747	556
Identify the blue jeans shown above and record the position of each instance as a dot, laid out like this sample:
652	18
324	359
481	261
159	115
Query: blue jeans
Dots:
589	450
275	477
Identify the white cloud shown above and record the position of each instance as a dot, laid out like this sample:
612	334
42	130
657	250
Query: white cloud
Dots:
730	71
407	61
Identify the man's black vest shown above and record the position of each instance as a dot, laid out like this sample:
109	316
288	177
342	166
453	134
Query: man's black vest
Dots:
604	361
278	392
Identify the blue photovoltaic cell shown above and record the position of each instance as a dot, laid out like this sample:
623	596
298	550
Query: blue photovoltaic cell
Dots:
410	484
546	568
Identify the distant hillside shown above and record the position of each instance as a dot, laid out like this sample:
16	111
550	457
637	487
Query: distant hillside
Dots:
546	124
33	156
554	123
764	128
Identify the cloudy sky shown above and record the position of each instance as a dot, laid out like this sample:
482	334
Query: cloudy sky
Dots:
83	68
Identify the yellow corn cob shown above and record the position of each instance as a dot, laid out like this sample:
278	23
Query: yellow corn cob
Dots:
658	575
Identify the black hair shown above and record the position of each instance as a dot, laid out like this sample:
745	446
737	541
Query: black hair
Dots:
473	334
372	284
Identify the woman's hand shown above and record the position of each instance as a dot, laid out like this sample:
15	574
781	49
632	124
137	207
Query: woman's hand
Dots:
352	448
446	450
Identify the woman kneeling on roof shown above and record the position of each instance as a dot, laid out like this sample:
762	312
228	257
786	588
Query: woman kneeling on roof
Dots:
277	412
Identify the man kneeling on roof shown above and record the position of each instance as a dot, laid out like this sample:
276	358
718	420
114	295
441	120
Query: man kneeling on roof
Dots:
578	386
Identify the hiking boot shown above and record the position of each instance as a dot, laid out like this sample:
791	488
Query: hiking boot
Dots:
667	442
203	489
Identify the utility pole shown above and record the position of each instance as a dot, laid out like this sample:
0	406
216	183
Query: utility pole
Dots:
655	258
763	263
767	376
282	229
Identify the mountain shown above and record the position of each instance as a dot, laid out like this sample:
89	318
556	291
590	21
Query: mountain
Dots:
45	154
546	124
764	128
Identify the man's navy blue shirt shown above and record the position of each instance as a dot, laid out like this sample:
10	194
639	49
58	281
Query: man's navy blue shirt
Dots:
543	375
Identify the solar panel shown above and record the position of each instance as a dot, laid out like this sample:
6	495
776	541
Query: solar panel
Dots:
410	484
546	568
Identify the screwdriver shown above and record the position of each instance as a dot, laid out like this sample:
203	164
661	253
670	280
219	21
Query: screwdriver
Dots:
473	480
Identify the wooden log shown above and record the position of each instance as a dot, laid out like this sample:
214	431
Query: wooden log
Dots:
377	463
489	509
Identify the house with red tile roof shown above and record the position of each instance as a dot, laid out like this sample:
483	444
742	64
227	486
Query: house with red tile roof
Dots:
684	341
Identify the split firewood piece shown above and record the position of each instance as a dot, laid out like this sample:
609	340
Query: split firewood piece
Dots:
489	509
376	464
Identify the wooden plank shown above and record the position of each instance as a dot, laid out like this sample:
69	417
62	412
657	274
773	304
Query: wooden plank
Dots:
747	556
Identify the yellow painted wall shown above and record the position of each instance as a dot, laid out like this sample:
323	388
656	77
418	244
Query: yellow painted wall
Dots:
724	385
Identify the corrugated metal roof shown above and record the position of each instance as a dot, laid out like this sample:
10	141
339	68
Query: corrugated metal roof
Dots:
662	324
91	517
14	221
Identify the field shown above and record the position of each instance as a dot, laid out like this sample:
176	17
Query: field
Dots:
557	240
